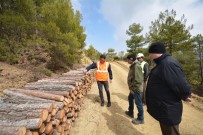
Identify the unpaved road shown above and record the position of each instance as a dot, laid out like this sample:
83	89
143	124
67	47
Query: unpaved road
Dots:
96	120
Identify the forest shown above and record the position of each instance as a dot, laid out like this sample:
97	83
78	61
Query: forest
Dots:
49	33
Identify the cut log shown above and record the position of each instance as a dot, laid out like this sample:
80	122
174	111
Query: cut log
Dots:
35	133
40	94
9	107
57	81
48	128
54	111
49	87
19	98
11	130
68	100
60	129
26	114
28	123
69	115
60	114
61	93
48	118
77	79
28	132
75	72
56	133
42	128
56	122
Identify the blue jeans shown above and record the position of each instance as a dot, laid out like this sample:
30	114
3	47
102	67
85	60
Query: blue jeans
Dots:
106	87
138	101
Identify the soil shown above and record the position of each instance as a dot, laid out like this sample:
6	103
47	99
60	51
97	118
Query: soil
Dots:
97	120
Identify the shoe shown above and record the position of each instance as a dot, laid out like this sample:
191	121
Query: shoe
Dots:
108	104
102	104
136	121
129	114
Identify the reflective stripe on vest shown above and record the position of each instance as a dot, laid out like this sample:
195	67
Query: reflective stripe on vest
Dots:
102	71
142	65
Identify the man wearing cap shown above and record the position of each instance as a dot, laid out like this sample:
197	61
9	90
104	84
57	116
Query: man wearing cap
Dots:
103	73
135	79
145	71
166	88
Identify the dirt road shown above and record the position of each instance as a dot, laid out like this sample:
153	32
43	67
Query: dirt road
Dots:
97	120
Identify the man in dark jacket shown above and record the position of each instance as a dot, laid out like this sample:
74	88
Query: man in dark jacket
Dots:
166	87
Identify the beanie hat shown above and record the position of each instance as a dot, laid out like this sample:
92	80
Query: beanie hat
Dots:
131	57
157	47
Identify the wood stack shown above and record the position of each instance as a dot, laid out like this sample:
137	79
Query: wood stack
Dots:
46	107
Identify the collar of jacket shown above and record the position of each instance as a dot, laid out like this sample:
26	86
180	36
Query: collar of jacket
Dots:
134	63
158	60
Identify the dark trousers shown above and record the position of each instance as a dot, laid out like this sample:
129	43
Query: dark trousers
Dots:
131	103
169	129
137	96
144	91
106	87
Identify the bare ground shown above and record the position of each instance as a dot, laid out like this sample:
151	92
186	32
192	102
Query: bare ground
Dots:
97	120
15	76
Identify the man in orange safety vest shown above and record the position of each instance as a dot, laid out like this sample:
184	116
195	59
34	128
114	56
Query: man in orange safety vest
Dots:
103	75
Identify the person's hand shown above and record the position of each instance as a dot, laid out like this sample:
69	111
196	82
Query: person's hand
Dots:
110	81
188	99
132	92
85	72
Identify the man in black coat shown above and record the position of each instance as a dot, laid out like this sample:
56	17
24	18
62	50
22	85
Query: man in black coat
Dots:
166	87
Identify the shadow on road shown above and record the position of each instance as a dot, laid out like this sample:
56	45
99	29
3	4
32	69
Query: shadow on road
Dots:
118	122
121	96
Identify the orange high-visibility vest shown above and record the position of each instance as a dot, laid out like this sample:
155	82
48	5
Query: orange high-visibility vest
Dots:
102	71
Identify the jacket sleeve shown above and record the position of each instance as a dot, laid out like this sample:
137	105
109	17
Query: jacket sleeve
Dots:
176	80
92	66
110	72
138	79
146	71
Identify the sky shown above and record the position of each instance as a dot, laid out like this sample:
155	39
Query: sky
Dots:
106	21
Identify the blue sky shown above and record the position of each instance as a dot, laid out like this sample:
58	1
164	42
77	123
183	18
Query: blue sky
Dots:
106	21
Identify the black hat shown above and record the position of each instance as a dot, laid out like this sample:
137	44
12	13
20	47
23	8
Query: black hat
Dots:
131	57
157	47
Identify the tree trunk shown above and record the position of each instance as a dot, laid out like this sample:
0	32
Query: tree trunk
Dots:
56	81
10	130
20	98
201	65
9	107
28	123
15	115
40	94
48	87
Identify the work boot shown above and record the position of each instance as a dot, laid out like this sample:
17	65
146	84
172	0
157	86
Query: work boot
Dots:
108	104
136	121
102	103
131	115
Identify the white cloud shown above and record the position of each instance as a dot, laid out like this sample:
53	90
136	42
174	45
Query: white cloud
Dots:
122	13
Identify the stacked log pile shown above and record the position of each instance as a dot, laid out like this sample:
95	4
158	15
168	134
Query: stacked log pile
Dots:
45	107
